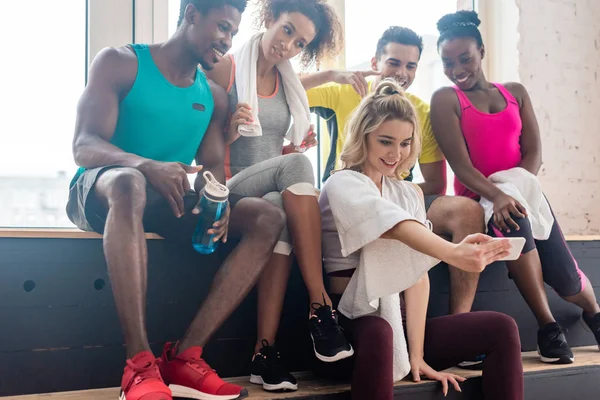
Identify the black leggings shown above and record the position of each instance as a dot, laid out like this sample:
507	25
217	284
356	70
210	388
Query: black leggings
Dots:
449	340
559	267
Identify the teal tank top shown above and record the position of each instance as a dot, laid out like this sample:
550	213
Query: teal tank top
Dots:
158	120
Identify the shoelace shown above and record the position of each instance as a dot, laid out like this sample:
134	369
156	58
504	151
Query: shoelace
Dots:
201	366
142	373
326	318
197	363
272	356
316	306
555	336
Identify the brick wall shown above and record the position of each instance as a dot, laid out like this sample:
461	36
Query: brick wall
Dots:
559	63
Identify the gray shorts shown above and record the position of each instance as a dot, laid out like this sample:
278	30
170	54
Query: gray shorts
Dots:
88	213
268	179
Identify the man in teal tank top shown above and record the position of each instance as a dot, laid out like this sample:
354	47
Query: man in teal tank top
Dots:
146	113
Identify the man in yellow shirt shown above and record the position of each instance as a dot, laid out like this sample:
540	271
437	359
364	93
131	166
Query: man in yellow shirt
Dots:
336	94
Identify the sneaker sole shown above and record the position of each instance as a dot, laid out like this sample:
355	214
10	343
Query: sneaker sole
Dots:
189	393
279	387
470	364
559	360
123	397
339	356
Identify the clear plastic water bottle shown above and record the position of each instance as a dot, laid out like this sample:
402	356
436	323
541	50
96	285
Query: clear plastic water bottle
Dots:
213	204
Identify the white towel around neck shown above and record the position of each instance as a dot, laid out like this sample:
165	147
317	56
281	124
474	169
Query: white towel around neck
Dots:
246	59
387	267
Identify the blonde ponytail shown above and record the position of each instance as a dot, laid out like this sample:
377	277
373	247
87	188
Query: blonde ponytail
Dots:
387	102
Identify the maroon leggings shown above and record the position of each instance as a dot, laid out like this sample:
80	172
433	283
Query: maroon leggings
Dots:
449	340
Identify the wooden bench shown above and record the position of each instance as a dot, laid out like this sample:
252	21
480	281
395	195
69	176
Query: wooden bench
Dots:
542	381
60	329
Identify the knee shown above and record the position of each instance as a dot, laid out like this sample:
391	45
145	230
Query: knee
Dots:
378	336
524	224
468	211
462	215
567	285
505	328
299	167
268	222
127	190
274	198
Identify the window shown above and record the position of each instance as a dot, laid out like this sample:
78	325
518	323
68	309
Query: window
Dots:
46	71
42	79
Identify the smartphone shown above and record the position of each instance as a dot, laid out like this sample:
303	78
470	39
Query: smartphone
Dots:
517	244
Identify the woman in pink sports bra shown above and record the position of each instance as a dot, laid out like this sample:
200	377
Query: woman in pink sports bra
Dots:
484	128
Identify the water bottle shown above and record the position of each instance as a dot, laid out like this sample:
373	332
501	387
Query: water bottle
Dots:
213	204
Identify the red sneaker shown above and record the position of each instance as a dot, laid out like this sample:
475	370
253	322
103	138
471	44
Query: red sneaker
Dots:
189	376
142	380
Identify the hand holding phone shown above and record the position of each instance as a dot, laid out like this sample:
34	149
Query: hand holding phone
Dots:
517	244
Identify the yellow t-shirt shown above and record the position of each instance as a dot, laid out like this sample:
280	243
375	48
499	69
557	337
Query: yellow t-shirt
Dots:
343	99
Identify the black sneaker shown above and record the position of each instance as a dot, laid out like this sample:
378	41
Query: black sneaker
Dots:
268	370
552	345
594	325
329	342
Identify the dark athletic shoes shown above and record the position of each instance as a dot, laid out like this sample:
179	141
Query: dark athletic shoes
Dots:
329	342
269	371
552	345
593	324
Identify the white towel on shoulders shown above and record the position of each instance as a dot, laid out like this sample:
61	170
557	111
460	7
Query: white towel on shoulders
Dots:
524	187
387	267
245	80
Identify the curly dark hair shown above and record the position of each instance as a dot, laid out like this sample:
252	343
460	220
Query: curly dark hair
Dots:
205	6
459	24
398	34
328	40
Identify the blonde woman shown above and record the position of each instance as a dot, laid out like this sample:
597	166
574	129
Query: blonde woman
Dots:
377	248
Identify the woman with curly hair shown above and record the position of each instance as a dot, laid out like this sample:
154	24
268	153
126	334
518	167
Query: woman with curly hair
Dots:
265	97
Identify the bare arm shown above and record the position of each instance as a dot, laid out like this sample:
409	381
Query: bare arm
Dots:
531	144
354	78
416	299
434	175
445	111
211	153
111	76
472	255
221	73
315	79
445	122
421	239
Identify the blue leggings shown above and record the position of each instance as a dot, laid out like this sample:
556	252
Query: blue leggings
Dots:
559	267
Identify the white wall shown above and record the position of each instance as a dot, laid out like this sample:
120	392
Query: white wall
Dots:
559	62
553	48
